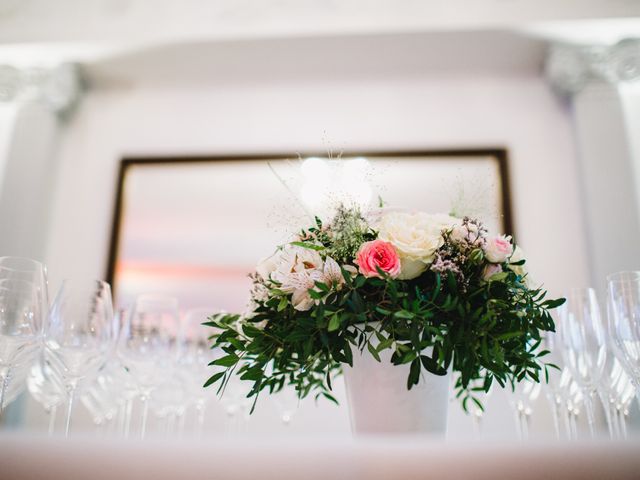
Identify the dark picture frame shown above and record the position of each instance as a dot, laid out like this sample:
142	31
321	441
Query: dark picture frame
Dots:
499	154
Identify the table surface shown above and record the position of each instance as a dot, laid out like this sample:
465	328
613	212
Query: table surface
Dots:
27	456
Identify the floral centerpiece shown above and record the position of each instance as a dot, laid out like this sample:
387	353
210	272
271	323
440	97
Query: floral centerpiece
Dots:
434	293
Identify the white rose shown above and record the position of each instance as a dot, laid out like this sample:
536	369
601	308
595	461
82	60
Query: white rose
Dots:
416	237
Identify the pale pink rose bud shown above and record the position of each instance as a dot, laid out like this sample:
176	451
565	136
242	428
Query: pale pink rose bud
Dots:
498	249
378	254
490	270
459	233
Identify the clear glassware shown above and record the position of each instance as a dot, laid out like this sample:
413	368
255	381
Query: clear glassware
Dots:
193	359
80	335
100	398
557	387
23	310
624	322
47	389
575	401
624	395
169	399
147	346
26	269
607	391
585	346
525	395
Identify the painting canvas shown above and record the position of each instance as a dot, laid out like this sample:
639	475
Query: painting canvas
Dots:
195	228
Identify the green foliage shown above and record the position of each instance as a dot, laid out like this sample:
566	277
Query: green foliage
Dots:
484	331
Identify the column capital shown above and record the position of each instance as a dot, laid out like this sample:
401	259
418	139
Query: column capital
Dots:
569	68
58	88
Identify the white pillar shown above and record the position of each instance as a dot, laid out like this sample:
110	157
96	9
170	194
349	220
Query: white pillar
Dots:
596	79
610	181
32	104
26	182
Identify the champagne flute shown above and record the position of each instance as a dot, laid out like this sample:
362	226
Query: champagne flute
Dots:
194	358
80	334
559	381
147	346
525	395
22	312
624	322
585	345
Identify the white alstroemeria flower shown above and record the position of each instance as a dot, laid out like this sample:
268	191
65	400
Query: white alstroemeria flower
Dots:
295	260
299	284
332	275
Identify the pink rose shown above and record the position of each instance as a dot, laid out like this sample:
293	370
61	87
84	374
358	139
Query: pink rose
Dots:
490	270
498	249
380	254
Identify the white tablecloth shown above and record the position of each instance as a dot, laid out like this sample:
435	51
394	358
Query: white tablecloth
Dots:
26	457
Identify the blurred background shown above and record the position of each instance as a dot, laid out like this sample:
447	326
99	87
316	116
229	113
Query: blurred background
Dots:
136	137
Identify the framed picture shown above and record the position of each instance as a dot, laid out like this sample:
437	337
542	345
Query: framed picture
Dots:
196	227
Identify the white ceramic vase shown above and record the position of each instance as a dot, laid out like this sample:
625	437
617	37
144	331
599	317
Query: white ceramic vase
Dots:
379	401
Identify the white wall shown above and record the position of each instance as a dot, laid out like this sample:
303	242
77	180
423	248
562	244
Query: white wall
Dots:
398	112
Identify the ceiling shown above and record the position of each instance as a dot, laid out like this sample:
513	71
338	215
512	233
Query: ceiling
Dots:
162	41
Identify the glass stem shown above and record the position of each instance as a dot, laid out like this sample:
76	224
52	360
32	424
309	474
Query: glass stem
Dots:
477	424
573	417
623	422
171	423
71	390
518	423
3	388
181	420
525	425
555	410
566	417
200	407
128	410
145	413
52	420
607	414
588	407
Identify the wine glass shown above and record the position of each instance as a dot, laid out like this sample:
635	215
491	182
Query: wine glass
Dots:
26	269
80	334
624	321
585	345
147	346
23	307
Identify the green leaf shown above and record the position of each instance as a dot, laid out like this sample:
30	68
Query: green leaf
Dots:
226	361
432	366
414	374
334	323
403	314
373	351
214	378
310	246
284	301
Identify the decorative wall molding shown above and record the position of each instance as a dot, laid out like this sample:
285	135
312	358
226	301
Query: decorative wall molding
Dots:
569	68
58	88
